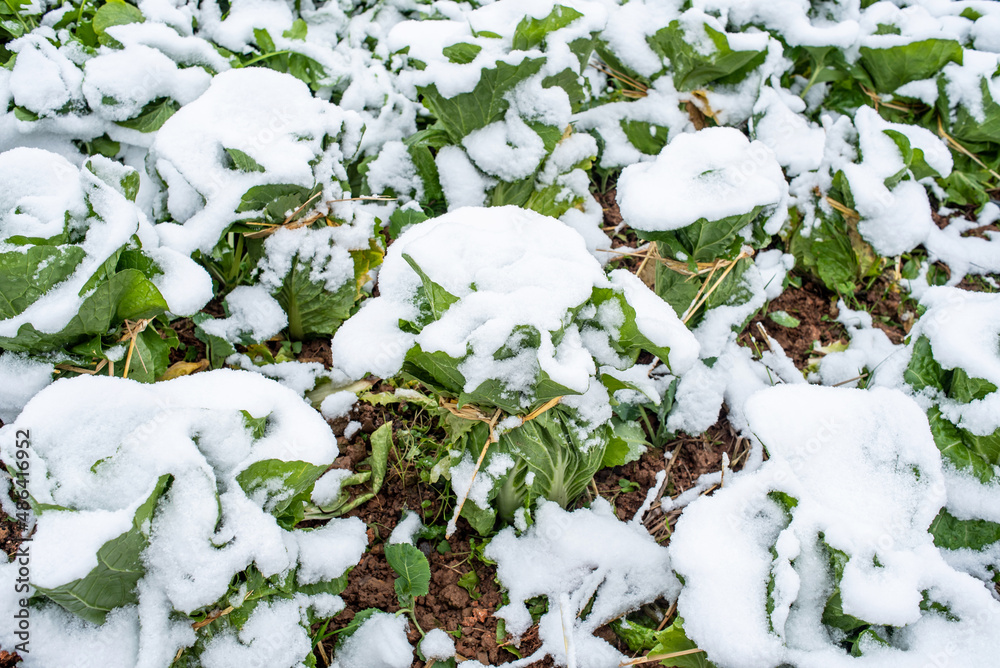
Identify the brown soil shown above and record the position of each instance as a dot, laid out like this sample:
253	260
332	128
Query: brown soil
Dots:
625	240
316	350
641	472
969	213
815	310
693	456
447	606
10	536
185	332
888	307
450	607
977	284
612	216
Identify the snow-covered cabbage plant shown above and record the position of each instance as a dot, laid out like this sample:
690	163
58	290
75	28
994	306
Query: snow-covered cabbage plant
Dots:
164	522
586	582
110	87
254	147
872	201
709	196
501	83
826	548
954	368
307	277
921	90
78	258
664	71
260	158
502	311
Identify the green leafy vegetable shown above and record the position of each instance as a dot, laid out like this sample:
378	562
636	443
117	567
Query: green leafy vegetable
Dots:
112	582
462	52
784	319
951	533
153	115
461	114
381	446
280	487
531	32
311	308
673	639
243	162
898	65
114	13
693	69
412	570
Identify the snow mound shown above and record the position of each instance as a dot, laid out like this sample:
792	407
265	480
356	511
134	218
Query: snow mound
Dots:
571	557
291	139
224	458
712	174
507	269
826	545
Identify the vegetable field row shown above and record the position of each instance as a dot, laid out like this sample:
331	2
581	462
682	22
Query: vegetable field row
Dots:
331	333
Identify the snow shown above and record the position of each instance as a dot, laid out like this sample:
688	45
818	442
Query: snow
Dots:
42	188
43	80
773	266
393	169
797	144
120	83
270	116
426	40
963	328
352	428
50	195
252	311
235	29
184	285
475	486
508	149
273	635
20	379
985	33
871	358
712	174
559	558
101	461
629	26
868	481
660	107
66	543
327	552
167	38
322	249
406	529
327	488
382	354
898	219
657	320
300	377
338	404
463	186
380	642
587	224
847	456
437	645
537	270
